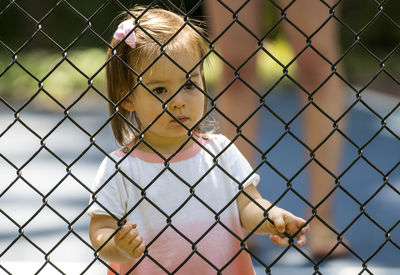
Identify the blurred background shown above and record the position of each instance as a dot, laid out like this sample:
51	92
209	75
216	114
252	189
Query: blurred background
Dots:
64	38
54	133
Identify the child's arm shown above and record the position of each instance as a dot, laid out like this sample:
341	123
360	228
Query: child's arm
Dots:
125	246
251	215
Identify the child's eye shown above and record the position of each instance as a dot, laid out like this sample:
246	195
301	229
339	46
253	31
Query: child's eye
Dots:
189	86
160	90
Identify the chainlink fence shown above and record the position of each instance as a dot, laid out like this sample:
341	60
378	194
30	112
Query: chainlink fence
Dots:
45	186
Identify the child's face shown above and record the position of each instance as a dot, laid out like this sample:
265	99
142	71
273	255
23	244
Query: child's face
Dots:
164	78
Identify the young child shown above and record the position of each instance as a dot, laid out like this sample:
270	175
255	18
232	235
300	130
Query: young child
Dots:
175	198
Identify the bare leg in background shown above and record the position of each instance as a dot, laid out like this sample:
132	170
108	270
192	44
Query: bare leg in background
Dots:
238	102
313	70
236	45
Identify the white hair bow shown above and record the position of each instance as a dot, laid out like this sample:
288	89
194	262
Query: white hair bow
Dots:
122	32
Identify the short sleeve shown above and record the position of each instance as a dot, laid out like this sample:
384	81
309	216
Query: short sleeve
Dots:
235	163
109	191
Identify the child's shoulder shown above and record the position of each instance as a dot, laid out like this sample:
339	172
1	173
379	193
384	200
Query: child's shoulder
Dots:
217	139
121	152
113	159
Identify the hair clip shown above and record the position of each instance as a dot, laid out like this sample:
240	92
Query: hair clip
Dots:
122	32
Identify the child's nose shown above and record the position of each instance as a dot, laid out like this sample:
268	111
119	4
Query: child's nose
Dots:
178	101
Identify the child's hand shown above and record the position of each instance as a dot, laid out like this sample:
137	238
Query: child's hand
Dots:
128	240
286	222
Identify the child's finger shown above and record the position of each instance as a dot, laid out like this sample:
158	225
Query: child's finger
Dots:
276	239
131	236
279	224
123	231
302	239
132	225
136	240
303	231
139	250
306	229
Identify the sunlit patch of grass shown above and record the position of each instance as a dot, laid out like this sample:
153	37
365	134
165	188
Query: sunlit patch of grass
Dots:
65	77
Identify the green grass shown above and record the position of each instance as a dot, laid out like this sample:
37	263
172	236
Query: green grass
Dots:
22	76
41	73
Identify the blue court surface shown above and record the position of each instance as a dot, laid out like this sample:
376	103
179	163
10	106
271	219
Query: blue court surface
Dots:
368	208
369	216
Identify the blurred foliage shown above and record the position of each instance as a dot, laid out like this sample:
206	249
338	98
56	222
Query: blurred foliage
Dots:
64	21
30	59
60	76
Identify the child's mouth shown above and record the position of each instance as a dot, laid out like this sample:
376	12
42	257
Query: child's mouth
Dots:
182	119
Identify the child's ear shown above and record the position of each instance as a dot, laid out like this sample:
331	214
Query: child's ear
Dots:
127	104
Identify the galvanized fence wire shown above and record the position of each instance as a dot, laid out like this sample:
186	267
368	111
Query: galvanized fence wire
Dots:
213	108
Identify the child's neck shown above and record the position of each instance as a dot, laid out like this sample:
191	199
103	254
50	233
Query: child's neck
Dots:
165	145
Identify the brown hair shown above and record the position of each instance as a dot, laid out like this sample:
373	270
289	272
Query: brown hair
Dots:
155	30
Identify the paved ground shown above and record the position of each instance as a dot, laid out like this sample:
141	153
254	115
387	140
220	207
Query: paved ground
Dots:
21	197
362	180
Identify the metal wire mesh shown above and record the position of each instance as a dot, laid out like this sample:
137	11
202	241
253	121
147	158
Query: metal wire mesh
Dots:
88	28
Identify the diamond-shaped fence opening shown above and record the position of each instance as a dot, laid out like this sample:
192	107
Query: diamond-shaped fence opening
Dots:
55	130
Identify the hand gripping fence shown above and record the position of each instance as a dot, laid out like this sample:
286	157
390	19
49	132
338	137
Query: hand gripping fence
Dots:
32	227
